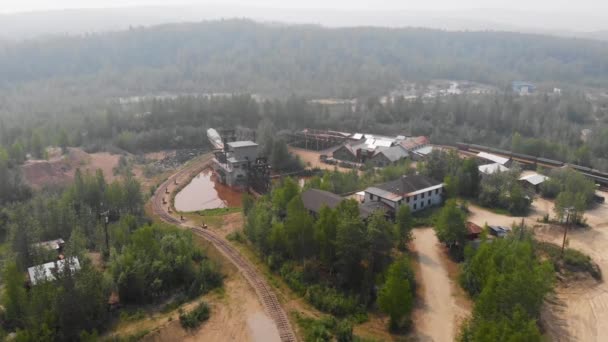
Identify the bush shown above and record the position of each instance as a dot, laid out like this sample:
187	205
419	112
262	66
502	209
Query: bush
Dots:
329	300
195	317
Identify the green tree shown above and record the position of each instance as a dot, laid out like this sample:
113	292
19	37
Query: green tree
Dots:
450	227
404	223
14	298
396	296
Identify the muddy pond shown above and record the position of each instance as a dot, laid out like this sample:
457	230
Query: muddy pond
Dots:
205	192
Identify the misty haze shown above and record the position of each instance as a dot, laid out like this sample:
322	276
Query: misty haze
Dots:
303	171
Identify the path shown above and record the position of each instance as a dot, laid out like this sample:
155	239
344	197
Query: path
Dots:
436	316
265	293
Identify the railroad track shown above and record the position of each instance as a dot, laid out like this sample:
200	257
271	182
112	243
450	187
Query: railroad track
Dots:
264	292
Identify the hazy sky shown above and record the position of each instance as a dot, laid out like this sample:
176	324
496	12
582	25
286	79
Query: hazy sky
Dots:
9	6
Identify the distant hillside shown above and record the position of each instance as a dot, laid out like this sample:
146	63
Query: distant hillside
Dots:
241	55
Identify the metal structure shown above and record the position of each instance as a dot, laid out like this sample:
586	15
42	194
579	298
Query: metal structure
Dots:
258	176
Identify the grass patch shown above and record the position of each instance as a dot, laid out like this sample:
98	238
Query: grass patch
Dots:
195	317
132	315
218	211
573	260
236	236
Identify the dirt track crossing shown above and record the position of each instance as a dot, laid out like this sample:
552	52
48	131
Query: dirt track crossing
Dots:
265	293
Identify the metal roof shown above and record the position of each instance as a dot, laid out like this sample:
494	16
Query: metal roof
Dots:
492	157
423	150
394	153
246	143
395	190
534	179
492	168
44	272
383	193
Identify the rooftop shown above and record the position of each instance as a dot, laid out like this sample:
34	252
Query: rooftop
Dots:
492	168
407	184
534	179
394	153
45	272
492	157
246	143
315	199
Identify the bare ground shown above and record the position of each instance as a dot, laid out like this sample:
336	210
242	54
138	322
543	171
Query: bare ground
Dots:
441	308
312	158
577	311
61	169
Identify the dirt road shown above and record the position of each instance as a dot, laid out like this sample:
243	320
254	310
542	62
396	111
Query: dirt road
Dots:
578	312
437	315
272	309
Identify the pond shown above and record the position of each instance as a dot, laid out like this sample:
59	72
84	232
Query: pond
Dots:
205	192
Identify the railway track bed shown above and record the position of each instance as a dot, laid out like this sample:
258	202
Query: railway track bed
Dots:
265	293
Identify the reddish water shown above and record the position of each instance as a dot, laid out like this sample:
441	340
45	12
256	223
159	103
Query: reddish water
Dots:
205	192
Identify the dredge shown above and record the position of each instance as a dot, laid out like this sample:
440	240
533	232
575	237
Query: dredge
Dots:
238	163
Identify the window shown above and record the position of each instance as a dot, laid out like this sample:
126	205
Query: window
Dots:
407	199
436	191
429	202
414	206
371	197
430	192
415	198
421	205
422	196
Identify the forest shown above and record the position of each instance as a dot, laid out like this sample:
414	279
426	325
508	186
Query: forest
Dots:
335	259
145	264
245	56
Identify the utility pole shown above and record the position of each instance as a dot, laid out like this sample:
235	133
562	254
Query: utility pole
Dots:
566	229
106	218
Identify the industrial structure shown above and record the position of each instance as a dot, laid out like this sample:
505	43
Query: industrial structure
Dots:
418	192
238	163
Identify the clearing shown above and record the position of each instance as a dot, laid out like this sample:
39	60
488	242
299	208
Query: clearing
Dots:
311	158
60	169
579	311
441	307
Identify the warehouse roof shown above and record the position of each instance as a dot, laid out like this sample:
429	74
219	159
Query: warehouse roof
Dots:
492	168
534	179
492	157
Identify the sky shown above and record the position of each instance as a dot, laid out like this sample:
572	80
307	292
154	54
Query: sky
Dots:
14	6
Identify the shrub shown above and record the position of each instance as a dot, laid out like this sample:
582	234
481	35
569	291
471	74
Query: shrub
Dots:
329	300
195	317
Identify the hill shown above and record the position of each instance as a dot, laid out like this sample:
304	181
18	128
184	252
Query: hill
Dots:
277	59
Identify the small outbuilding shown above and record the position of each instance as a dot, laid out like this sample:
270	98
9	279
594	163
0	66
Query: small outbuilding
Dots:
533	180
473	231
492	168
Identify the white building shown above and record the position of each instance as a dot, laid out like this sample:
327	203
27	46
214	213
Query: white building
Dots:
492	168
232	167
46	272
419	192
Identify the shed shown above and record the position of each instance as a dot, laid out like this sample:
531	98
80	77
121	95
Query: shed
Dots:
492	168
473	230
46	272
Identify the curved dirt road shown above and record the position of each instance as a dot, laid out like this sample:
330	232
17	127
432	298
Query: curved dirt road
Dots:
266	295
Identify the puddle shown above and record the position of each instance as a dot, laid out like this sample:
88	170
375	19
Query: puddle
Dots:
204	192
